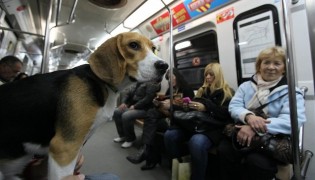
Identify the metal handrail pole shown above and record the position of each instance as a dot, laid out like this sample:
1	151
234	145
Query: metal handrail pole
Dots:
310	6
171	57
58	11
46	45
19	31
72	11
286	4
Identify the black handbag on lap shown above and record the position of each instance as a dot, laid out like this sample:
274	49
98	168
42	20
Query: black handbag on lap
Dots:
195	121
276	146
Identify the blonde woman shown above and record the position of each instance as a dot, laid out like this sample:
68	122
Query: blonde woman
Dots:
213	98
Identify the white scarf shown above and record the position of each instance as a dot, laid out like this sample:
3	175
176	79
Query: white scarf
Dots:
262	91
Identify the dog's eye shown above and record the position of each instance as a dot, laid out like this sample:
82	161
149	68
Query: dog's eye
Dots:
134	45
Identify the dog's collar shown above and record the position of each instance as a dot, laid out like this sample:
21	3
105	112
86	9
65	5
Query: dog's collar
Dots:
87	69
113	88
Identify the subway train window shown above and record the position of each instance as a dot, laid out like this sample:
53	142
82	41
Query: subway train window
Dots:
193	54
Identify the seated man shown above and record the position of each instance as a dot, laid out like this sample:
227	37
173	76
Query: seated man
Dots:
150	151
137	100
10	66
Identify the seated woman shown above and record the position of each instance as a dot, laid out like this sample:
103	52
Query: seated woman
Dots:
151	151
269	84
212	98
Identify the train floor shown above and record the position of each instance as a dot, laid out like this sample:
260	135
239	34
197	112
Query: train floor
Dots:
102	155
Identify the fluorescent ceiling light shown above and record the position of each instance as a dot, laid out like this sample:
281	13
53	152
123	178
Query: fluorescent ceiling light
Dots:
102	40
145	11
182	45
119	30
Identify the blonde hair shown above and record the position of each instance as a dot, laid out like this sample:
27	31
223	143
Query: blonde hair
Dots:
275	52
218	83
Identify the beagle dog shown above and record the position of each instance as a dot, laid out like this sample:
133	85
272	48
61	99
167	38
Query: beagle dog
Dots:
56	113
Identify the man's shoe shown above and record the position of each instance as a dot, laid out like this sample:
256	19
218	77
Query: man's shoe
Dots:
139	157
127	144
119	139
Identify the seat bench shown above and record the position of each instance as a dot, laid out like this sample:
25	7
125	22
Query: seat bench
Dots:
139	122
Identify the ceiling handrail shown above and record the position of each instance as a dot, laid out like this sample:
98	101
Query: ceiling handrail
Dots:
58	11
19	31
71	18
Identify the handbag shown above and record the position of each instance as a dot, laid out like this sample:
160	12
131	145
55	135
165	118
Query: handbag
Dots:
197	116
276	146
195	121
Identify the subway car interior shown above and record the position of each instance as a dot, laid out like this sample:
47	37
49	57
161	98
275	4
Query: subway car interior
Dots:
56	35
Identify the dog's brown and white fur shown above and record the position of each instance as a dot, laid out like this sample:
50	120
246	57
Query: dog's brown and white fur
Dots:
57	112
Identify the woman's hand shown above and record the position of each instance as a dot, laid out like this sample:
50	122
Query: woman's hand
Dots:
245	135
257	123
197	106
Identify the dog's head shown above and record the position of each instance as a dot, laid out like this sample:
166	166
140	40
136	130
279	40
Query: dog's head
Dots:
127	55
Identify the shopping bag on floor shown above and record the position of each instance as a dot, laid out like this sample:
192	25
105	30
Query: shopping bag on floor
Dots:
181	170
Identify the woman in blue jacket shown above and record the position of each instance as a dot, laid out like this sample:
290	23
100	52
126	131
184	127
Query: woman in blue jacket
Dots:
269	84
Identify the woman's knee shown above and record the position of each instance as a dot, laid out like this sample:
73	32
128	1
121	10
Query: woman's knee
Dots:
200	141
169	135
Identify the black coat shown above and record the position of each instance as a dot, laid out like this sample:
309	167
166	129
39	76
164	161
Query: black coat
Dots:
141	95
215	111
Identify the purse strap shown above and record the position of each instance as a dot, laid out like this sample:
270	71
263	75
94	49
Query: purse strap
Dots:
264	105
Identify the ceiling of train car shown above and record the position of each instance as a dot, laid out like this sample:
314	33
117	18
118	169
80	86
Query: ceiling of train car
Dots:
92	20
91	23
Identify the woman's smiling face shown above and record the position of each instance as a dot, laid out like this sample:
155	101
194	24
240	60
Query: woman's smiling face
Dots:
272	69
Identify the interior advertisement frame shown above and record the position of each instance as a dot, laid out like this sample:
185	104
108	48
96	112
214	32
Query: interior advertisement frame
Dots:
254	30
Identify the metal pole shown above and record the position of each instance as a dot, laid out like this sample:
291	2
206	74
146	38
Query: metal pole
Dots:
171	57
47	33
72	11
19	31
292	93
58	11
310	9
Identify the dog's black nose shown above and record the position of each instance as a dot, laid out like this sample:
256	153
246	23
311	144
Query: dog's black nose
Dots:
161	65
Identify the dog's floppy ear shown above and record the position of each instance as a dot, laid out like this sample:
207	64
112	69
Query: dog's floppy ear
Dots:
108	63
